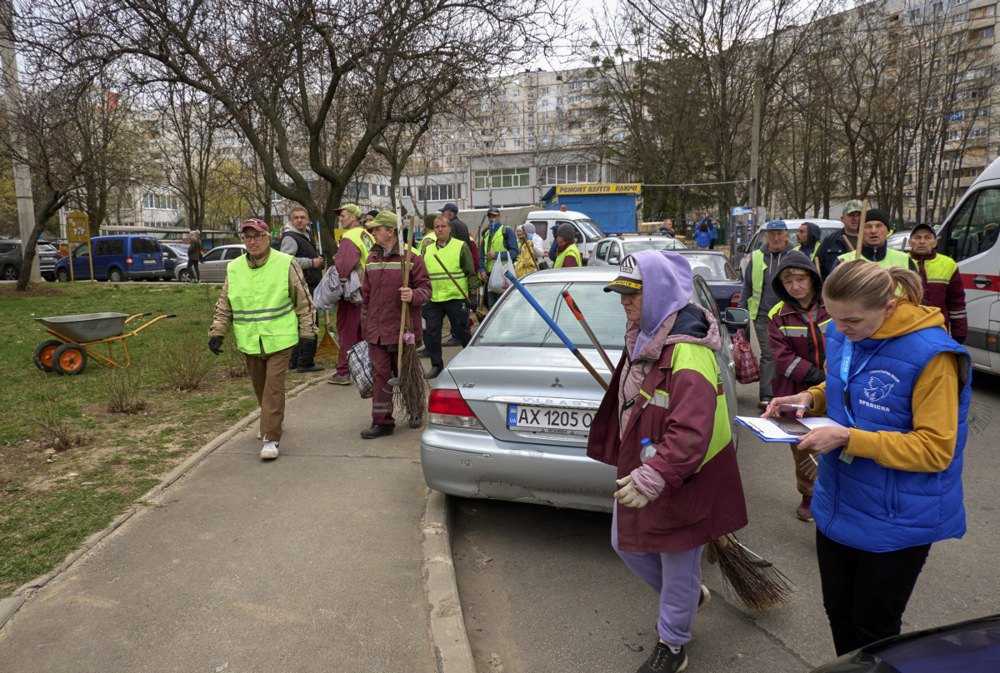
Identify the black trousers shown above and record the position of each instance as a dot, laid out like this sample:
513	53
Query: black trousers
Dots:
865	593
434	313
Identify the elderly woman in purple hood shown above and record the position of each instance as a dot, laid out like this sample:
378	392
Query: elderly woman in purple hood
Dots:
665	427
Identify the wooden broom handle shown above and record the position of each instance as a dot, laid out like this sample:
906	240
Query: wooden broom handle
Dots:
404	313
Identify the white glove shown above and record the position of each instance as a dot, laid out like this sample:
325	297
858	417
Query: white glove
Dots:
629	495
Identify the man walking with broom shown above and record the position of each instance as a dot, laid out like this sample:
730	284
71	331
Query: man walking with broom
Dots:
679	484
393	278
453	274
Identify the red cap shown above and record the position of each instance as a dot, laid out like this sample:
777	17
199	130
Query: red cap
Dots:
254	223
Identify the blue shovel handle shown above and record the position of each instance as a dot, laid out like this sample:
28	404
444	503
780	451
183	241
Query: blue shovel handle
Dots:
555	328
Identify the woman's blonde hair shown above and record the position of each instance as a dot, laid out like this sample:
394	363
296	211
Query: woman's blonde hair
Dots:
870	285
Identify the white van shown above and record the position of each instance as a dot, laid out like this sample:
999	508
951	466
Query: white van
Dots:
969	235
587	231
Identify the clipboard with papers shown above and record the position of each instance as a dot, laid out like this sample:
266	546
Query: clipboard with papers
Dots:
767	430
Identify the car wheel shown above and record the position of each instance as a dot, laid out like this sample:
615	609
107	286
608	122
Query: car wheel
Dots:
62	275
9	272
69	359
184	276
115	276
45	354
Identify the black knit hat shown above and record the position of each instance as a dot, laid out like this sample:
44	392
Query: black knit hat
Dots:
923	225
876	214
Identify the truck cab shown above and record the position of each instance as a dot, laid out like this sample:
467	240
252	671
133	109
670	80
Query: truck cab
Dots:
587	231
969	236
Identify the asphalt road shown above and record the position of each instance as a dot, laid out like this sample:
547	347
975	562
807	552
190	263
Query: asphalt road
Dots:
543	591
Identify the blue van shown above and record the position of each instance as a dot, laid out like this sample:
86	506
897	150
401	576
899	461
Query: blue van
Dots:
116	258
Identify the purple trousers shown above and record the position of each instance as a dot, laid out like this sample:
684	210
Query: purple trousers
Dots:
675	577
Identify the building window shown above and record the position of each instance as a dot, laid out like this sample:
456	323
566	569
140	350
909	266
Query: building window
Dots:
501	178
450	192
570	173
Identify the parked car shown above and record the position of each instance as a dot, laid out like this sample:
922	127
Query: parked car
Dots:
826	227
214	262
722	279
969	235
612	250
966	647
475	444
116	259
587	231
11	254
175	261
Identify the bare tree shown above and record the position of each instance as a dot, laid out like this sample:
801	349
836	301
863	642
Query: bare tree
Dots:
286	63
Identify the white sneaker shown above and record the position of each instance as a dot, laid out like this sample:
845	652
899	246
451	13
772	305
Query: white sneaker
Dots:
269	451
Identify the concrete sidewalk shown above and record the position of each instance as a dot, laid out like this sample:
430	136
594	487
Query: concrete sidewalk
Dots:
312	562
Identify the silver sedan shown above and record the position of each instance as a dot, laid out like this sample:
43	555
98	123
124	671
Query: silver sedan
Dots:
510	414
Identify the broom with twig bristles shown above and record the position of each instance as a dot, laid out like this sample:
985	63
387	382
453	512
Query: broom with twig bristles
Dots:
752	578
409	393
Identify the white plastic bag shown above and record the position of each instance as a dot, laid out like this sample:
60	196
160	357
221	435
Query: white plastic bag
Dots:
498	281
332	288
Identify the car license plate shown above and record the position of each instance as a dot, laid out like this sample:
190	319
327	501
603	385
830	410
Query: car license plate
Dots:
149	261
530	418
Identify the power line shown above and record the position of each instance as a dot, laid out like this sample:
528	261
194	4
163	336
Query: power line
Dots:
701	184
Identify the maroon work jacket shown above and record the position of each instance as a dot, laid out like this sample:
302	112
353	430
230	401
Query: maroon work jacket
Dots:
798	349
697	505
381	307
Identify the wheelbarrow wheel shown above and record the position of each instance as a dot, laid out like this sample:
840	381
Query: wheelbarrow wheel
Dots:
69	359
45	354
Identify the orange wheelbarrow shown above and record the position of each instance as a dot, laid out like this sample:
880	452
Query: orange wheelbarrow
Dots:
79	337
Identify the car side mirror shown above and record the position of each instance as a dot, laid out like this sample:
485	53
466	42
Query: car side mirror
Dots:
736	318
614	259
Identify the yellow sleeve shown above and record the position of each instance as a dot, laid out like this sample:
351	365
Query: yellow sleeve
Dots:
930	446
818	407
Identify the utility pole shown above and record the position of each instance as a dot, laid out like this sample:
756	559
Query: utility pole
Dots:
12	98
755	156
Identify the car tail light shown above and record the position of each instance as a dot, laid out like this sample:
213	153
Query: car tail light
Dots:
734	300
448	407
128	261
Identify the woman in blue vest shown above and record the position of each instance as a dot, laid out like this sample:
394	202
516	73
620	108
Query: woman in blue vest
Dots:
890	479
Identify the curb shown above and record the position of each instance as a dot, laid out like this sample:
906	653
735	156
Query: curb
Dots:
10	605
452	651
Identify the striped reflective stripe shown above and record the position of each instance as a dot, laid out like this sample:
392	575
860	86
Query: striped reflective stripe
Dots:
263	318
377	266
794	330
791	368
659	398
264	310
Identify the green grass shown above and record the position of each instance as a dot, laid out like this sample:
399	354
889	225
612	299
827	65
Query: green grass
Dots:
51	502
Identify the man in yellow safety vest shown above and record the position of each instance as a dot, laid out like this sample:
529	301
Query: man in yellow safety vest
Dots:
943	286
759	296
874	234
267	302
567	254
453	274
352	255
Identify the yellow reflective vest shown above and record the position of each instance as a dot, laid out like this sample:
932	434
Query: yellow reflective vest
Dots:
450	256
264	319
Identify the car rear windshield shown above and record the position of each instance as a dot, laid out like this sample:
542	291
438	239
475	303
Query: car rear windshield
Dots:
654	244
515	323
711	267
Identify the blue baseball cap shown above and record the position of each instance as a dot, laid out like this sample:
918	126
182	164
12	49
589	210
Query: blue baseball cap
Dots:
449	206
776	225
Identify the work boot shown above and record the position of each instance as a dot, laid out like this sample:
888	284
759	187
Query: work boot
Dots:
433	373
416	421
804	510
377	431
452	341
662	660
307	355
339	380
269	451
